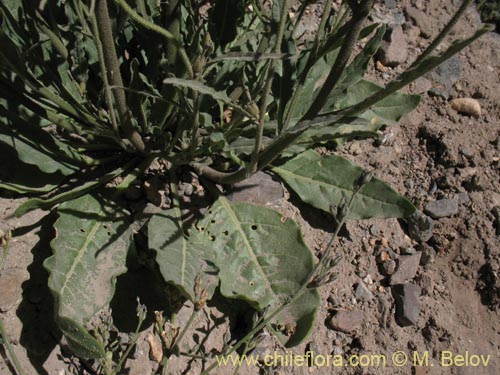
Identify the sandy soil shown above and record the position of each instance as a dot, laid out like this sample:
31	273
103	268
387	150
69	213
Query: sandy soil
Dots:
433	153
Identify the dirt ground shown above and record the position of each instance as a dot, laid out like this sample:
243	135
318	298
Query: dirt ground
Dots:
434	153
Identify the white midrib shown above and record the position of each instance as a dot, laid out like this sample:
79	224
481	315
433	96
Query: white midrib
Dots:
78	258
236	222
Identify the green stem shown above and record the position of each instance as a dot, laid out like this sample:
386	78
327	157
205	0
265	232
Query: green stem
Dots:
12	354
267	90
186	328
129	348
446	30
5	253
108	95
324	19
412	74
196	121
114	74
360	13
160	30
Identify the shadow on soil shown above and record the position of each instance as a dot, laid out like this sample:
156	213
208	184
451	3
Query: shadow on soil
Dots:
39	334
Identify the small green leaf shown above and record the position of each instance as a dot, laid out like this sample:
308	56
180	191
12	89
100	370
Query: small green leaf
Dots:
35	148
324	181
203	89
90	251
387	111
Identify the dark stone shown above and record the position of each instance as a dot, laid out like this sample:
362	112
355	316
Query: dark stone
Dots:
420	227
407	297
442	208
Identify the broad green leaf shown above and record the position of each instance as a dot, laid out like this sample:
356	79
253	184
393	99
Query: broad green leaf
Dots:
261	258
322	181
90	251
179	261
387	111
74	192
31	154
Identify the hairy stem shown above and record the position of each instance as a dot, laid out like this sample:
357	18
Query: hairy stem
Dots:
412	74
160	30
114	75
360	13
108	95
12	354
267	90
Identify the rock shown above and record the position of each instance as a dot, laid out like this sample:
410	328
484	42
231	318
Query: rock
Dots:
390	4
138	366
420	227
421	20
408	251
346	321
426	283
421	85
10	288
445	76
374	231
265	346
388	267
463	198
155	348
428	254
186	188
362	292
407	304
394	49
260	189
442	208
407	266
467	106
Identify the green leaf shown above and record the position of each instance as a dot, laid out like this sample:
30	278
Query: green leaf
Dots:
203	89
387	111
356	70
90	251
261	258
324	181
178	260
252	56
75	192
30	155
